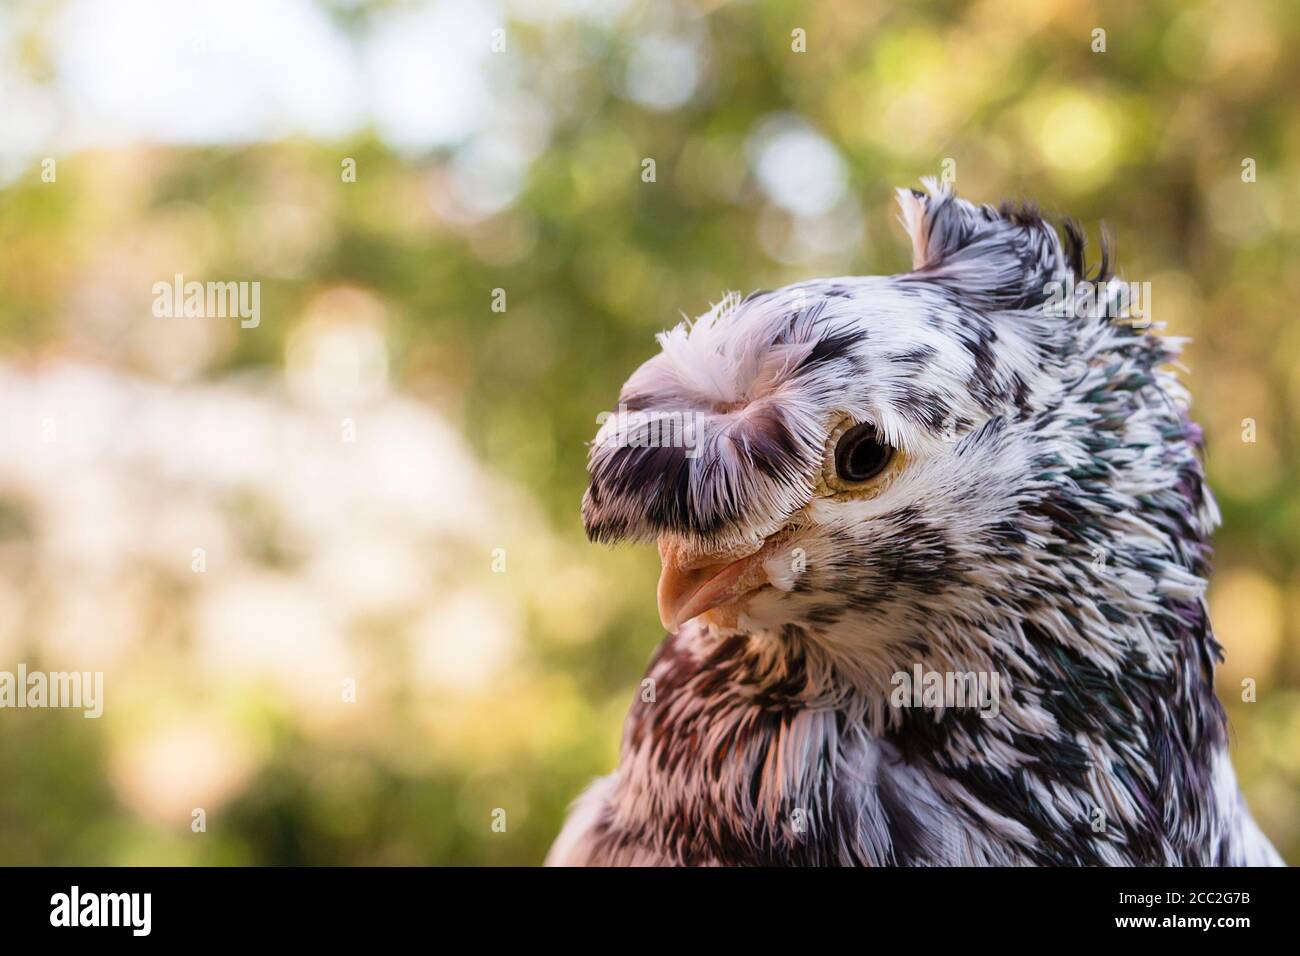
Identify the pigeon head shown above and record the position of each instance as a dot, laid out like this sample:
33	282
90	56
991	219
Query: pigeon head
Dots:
852	454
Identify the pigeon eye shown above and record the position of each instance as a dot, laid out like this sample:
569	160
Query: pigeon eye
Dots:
860	454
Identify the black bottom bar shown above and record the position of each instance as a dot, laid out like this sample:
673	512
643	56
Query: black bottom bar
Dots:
332	906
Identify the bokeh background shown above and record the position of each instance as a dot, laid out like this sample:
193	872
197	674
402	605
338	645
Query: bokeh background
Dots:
383	477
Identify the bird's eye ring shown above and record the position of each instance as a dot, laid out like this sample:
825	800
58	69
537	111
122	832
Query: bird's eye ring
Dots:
861	454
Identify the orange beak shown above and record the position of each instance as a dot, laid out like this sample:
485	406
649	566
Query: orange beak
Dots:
688	588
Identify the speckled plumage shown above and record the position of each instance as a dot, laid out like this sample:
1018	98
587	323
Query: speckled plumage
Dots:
1049	523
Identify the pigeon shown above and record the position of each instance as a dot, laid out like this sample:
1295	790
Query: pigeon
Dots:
934	556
